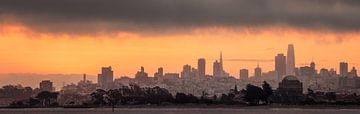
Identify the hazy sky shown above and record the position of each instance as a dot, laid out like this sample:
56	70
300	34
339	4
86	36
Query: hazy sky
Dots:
80	36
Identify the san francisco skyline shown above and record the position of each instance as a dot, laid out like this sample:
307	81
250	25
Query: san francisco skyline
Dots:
179	56
46	39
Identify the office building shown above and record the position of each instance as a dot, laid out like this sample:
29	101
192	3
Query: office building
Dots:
244	74
343	69
280	65
257	72
46	85
201	67
105	79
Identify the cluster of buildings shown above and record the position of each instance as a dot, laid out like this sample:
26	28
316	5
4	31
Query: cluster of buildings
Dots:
194	80
11	93
285	76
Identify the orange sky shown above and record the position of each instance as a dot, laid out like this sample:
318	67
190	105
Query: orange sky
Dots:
25	51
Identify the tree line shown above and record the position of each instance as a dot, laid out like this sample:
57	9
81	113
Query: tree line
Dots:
135	95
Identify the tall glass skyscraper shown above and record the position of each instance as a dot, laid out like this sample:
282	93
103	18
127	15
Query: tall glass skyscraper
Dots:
290	61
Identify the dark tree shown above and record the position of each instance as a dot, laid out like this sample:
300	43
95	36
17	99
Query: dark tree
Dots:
267	90
310	97
181	98
253	94
113	97
225	99
97	97
47	98
330	96
33	102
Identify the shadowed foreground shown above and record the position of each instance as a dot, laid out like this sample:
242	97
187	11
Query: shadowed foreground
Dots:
178	111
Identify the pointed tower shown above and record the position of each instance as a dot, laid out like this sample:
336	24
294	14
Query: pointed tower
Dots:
290	61
257	72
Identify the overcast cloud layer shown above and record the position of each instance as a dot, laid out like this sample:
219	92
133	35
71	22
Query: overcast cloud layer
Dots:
156	16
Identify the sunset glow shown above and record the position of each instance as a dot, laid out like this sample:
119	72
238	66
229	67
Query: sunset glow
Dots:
23	50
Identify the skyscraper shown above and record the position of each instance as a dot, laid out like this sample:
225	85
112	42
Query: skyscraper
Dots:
159	73
46	85
201	67
84	78
290	63
353	72
217	69
343	69
280	65
244	74
312	65
257	71
186	71
105	79
141	75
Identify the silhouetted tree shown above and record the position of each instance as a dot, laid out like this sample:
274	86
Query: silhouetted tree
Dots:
33	102
47	98
205	99
225	99
192	99
181	98
267	90
330	96
310	97
97	97
113	97
253	94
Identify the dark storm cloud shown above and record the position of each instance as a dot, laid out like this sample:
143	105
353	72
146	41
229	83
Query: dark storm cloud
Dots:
154	16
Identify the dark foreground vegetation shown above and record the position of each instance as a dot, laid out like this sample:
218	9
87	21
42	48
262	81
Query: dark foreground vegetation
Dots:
136	96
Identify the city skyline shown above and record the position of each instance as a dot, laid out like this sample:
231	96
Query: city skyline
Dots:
248	63
280	67
121	34
159	56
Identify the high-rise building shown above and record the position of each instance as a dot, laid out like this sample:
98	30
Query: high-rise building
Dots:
46	85
141	75
290	63
280	65
306	71
343	69
244	74
84	78
105	79
324	72
201	67
217	69
353	72
257	71
333	72
159	73
312	65
186	72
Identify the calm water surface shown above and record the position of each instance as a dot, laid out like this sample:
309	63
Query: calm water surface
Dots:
179	111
